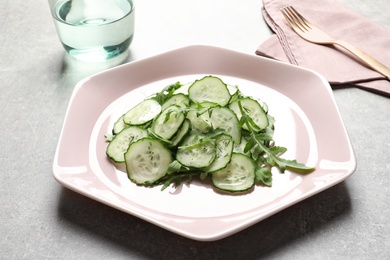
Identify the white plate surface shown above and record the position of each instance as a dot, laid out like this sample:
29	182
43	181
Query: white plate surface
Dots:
308	123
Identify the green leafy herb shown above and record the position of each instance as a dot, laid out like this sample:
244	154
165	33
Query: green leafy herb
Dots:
264	175
177	173
268	155
193	150
166	93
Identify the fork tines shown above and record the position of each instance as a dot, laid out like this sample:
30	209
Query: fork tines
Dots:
295	19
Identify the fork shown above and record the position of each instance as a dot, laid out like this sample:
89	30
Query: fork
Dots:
311	33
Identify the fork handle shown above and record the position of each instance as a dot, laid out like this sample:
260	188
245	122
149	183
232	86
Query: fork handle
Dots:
367	59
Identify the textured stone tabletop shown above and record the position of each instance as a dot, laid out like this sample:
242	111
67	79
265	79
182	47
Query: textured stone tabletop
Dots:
40	219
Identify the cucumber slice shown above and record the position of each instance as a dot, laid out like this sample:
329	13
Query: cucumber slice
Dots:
142	113
196	129
147	160
196	152
119	125
168	123
183	89
224	149
184	129
253	109
224	118
209	89
239	148
238	175
198	124
119	145
180	100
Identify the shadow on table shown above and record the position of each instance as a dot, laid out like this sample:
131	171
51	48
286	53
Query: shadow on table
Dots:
138	237
73	70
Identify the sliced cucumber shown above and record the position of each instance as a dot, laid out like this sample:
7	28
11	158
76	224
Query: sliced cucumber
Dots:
239	148
147	160
184	129
180	100
198	124
209	89
168	123
119	145
204	128
238	175
119	125
224	118
183	89
253	109
142	113
224	149
196	151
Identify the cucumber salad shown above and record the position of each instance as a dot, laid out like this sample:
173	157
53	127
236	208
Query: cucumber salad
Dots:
206	130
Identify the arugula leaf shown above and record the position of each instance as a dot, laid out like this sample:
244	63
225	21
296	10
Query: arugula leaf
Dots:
166	93
274	160
175	166
264	175
178	173
257	144
245	120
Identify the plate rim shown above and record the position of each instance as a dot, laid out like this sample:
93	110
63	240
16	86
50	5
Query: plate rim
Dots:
197	236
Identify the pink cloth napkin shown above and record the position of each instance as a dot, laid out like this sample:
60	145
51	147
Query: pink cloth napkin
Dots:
336	65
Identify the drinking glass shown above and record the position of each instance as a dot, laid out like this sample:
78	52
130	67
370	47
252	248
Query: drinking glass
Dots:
94	30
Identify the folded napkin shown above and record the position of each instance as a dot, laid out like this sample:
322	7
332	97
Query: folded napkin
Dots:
339	67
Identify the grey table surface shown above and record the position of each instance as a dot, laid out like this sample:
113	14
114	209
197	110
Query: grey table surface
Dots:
39	219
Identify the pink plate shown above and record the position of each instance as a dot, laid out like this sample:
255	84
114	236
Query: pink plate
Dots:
308	123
